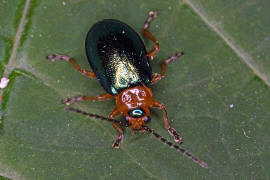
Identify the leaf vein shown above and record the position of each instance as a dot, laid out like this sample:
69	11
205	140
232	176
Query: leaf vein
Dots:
244	56
17	39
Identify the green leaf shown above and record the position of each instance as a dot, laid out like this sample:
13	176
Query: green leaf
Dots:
217	95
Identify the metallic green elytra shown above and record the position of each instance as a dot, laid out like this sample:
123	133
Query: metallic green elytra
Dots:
117	56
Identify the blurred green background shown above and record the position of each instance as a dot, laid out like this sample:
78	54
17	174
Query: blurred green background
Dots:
217	95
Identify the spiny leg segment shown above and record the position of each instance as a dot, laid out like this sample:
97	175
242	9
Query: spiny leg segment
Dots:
59	57
116	143
154	51
158	77
171	131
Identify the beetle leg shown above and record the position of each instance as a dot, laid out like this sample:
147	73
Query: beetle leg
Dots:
116	144
157	77
154	51
69	101
172	131
59	57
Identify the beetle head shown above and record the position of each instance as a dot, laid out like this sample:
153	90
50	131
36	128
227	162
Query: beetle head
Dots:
134	104
137	118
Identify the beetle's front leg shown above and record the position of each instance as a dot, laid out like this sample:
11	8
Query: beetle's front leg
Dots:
116	144
172	131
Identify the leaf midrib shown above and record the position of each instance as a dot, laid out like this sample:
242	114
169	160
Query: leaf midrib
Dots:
17	38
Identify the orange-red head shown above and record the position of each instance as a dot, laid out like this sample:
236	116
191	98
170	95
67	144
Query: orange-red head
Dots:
137	118
134	104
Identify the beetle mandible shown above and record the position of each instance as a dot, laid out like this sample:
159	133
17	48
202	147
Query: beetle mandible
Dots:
121	64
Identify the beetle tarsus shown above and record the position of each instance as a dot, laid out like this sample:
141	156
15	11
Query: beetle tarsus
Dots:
151	54
174	57
175	135
151	16
66	101
55	57
69	101
116	144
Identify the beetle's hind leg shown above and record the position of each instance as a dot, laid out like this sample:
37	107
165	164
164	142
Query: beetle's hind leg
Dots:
69	101
59	57
154	51
157	77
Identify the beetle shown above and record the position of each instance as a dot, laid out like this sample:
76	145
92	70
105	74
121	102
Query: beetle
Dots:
121	64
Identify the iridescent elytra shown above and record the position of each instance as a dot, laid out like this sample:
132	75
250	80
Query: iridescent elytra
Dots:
121	64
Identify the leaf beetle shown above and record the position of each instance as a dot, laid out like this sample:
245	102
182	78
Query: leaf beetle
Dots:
121	64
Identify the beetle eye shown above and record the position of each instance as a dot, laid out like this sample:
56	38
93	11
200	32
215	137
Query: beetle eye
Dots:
147	119
127	121
136	113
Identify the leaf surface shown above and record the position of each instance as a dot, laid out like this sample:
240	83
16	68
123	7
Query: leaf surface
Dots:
217	96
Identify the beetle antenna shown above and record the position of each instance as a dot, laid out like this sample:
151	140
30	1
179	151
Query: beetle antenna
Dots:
165	141
172	145
96	116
